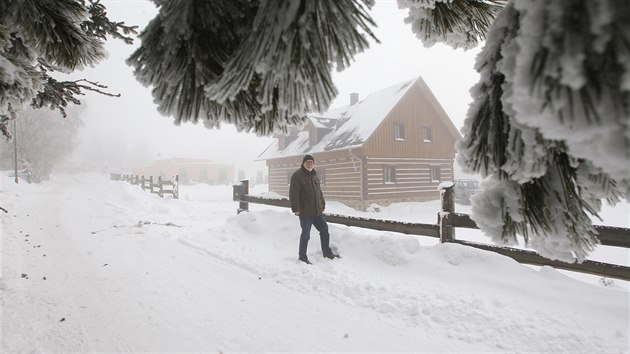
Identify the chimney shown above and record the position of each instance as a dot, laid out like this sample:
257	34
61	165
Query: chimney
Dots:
354	98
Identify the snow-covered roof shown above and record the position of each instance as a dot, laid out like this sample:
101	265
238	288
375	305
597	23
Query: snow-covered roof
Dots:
352	125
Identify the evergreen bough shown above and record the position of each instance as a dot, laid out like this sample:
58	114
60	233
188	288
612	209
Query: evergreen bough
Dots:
260	65
39	37
548	126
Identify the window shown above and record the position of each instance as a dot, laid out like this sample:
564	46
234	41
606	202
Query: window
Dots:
389	175
435	174
399	132
426	134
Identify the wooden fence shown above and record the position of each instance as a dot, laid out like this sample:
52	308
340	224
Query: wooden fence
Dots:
157	186
448	220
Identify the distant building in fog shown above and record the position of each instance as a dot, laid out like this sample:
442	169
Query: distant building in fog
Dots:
189	170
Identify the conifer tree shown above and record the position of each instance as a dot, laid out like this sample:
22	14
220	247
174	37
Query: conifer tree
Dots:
549	124
458	23
45	36
261	65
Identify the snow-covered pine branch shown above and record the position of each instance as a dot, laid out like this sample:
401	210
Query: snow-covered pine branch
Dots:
457	23
57	94
65	35
259	65
549	124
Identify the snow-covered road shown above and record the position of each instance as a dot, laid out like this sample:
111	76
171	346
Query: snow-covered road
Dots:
91	265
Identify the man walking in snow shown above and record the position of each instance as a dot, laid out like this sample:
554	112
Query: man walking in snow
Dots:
307	202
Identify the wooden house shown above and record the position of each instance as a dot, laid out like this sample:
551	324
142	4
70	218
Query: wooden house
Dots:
395	145
189	171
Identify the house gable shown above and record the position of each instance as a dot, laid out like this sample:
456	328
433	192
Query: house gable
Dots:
416	111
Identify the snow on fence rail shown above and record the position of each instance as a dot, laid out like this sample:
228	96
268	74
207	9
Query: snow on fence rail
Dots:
448	220
159	186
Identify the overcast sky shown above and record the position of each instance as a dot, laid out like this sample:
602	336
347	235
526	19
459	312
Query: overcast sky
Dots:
132	123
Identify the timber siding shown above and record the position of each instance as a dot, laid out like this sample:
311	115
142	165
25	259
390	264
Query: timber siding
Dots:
343	179
341	173
412	179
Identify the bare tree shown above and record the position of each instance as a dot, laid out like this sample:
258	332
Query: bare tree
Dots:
44	140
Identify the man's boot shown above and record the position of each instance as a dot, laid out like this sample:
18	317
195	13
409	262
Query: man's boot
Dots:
331	255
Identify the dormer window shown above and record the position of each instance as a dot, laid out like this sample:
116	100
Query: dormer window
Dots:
318	128
285	140
399	132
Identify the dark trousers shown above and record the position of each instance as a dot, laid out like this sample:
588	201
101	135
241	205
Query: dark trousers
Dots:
320	224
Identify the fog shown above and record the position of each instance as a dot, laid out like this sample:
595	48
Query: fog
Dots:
126	132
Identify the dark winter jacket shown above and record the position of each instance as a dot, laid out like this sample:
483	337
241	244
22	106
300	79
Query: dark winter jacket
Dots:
306	194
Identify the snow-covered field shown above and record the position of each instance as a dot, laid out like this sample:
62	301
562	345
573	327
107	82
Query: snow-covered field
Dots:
93	265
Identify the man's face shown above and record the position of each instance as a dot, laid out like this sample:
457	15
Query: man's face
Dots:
309	165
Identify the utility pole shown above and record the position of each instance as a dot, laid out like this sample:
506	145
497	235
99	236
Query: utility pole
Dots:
15	145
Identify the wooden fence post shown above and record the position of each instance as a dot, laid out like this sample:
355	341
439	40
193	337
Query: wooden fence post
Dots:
239	191
161	190
244	206
447	233
176	188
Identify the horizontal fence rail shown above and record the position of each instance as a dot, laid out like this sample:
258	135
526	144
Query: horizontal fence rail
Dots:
374	224
608	235
448	220
613	236
533	258
386	225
